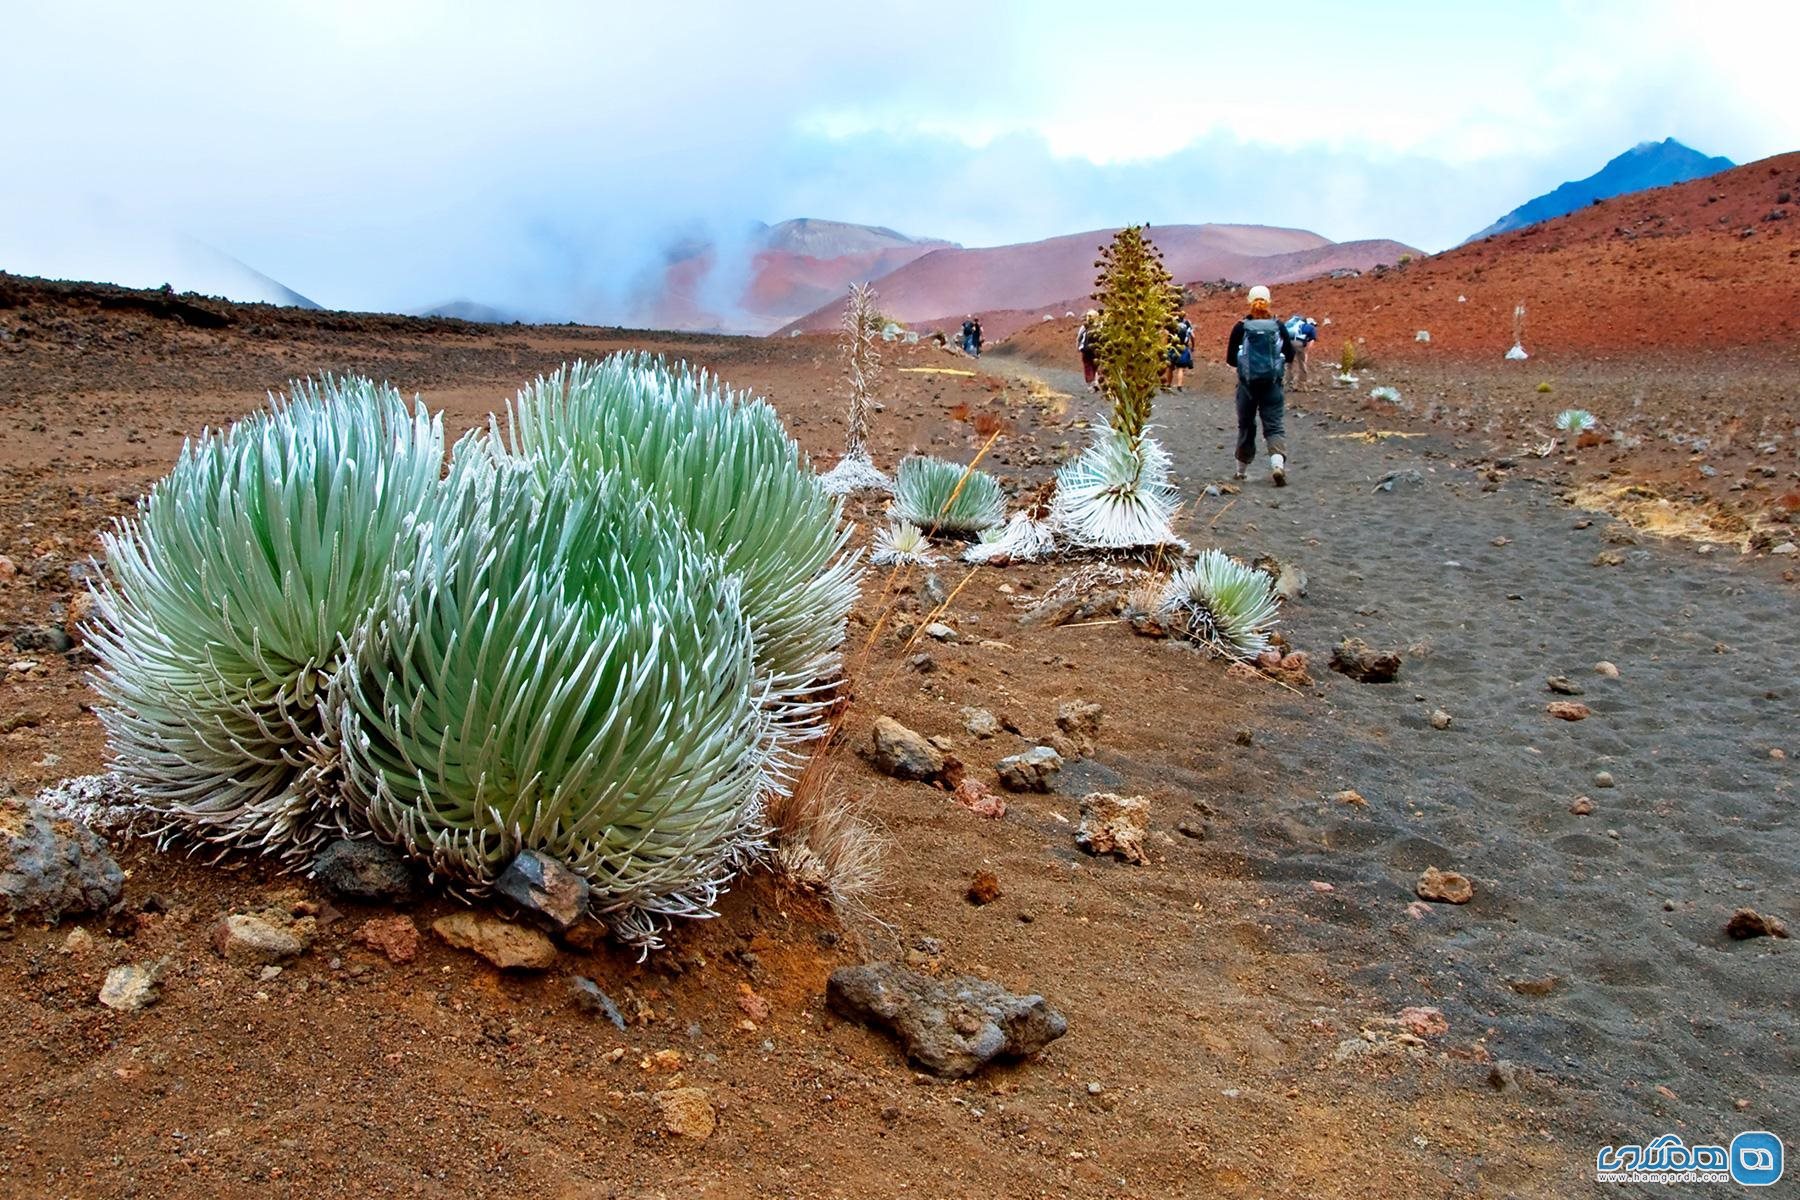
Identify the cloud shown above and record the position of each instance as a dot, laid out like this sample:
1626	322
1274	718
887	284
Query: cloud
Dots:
541	155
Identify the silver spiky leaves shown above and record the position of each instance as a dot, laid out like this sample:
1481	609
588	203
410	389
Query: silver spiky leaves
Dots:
565	669
1575	420
724	465
1117	495
903	545
229	598
945	496
1222	603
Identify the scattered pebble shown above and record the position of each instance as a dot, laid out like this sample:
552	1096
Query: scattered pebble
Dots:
131	987
687	1113
1440	719
983	889
1568	710
1603	779
1748	923
1115	825
505	945
1031	771
1582	806
1446	887
396	937
1607	669
1563	685
1351	797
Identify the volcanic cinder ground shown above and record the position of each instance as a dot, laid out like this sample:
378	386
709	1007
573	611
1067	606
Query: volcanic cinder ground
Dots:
1232	1004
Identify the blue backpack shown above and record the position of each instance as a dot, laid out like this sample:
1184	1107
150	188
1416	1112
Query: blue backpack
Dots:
1260	357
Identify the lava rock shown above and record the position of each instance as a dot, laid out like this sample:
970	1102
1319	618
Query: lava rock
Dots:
1032	771
395	937
541	884
1444	887
1363	663
1564	686
984	889
1568	710
979	799
270	936
364	869
1400	479
902	753
1748	923
43	639
1115	825
951	1028
51	866
131	987
980	722
1440	719
686	1112
507	946
937	631
590	999
1077	728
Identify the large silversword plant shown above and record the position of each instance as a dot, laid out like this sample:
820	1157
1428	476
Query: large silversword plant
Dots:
230	596
723	464
565	669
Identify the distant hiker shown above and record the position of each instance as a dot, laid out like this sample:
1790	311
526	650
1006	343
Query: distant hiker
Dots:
1260	349
1181	352
1087	341
1303	331
977	336
968	334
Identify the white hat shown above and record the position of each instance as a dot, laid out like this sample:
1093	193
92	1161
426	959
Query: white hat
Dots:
1259	292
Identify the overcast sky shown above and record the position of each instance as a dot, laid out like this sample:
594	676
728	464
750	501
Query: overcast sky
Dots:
538	156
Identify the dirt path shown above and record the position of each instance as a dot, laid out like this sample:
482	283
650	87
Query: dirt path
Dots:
1594	950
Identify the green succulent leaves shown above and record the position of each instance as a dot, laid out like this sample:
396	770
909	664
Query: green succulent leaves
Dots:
231	594
599	637
1222	603
564	669
945	496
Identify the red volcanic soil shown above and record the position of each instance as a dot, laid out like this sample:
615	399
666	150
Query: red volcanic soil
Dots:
1012	285
1698	266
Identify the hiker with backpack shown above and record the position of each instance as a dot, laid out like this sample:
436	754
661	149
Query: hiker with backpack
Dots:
1303	331
1087	343
1181	353
968	334
975	336
1260	348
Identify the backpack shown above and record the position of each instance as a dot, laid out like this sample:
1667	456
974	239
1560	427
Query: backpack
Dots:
1259	356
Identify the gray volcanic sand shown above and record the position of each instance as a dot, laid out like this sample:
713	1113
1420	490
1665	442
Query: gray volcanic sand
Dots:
1618	917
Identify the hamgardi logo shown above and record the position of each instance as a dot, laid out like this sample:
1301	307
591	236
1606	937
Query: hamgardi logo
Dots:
1755	1159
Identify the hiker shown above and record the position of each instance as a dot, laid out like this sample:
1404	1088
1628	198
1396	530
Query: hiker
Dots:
1260	349
1087	341
976	336
968	334
1181	353
1303	331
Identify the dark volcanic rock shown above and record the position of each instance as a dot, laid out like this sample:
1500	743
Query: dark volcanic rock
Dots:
541	884
50	865
1748	923
949	1027
1363	663
362	869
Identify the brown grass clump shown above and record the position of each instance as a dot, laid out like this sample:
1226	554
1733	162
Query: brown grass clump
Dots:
822	839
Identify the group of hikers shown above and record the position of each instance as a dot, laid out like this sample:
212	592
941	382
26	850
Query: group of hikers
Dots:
971	336
1268	354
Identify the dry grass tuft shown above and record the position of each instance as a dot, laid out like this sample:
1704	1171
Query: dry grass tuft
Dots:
823	840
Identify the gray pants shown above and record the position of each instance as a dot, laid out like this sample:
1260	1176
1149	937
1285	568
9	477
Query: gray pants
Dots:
1260	398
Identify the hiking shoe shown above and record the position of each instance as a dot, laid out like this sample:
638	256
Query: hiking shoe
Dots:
1239	473
1278	469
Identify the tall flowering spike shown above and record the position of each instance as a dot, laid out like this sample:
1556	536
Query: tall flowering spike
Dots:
566	669
721	462
1222	603
944	496
1138	307
229	597
855	472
